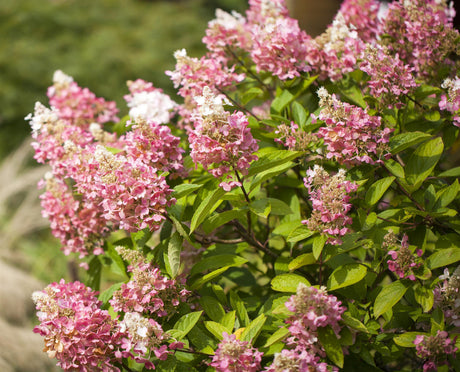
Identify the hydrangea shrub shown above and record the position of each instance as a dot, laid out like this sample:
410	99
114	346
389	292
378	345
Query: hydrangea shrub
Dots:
296	209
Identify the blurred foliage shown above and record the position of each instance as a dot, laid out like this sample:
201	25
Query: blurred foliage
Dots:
100	43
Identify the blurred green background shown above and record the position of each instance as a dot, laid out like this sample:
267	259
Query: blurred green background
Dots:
102	44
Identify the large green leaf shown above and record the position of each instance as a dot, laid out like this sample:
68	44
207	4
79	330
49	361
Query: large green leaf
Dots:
331	344
264	207
404	140
389	296
444	257
173	256
346	275
271	160
184	189
407	339
187	322
206	207
446	195
219	219
217	261
377	190
279	335
288	282
216	329
212	307
302	260
251	332
240	308
423	160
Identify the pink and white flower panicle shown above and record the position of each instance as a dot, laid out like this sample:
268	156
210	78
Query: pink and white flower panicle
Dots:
220	141
434	349
447	297
330	196
233	355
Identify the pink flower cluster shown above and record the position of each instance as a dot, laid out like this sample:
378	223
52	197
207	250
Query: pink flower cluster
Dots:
274	41
233	355
148	291
293	138
312	309
220	141
362	16
336	51
93	191
389	76
77	332
421	33
79	106
447	297
434	349
404	262
330	201
149	103
351	135
451	101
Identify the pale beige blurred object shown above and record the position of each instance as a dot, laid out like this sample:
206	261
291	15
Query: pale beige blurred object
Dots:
313	15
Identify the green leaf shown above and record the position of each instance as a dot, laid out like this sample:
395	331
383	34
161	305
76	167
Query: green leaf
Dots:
206	278
446	195
318	245
299	233
187	322
404	140
424	297
377	190
250	94
423	160
108	293
251	332
299	114
279	335
302	260
443	257
141	237
216	329
281	101
346	275
238	305
219	219
94	273
288	282
388	297
354	323
174	250
206	207
331	344
184	189
270	174
454	172
212	308
407	339
228	321
217	261
395	168
263	207
272	159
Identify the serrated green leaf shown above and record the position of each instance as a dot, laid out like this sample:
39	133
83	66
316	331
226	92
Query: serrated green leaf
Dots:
213	262
184	189
228	321
299	114
299	233
346	275
389	296
279	335
454	172
424	296
219	219
444	257
288	282
281	101
206	207
251	332
318	245
240	308
354	323
107	294
377	190
270	173
272	159
216	329
302	260
423	160
261	207
206	278
174	250
250	94
395	168
331	344
402	141
187	322
446	195
212	308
